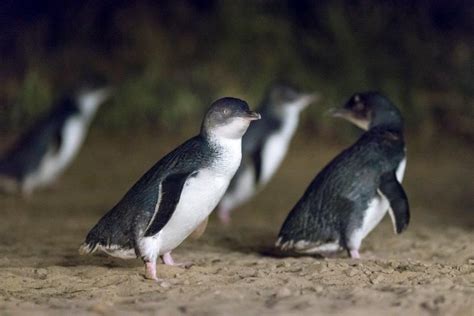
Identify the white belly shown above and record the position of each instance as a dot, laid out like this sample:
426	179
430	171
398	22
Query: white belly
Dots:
199	197
54	163
272	156
244	189
276	147
73	135
380	205
374	213
377	209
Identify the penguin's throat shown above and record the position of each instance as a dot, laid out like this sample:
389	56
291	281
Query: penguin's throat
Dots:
224	143
234	130
392	121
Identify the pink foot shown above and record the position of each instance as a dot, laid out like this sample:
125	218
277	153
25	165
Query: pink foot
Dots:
354	254
168	260
224	217
150	271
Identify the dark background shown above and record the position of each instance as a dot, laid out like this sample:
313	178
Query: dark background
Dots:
170	59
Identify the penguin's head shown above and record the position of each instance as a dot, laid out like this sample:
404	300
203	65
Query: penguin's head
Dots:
284	97
228	118
370	109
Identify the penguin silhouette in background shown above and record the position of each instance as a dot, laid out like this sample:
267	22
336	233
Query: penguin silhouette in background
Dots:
45	150
265	144
351	195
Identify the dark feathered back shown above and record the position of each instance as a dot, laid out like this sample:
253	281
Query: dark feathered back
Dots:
132	214
343	189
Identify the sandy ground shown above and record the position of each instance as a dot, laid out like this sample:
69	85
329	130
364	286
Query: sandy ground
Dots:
429	270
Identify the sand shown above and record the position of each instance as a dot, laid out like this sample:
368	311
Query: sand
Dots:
429	270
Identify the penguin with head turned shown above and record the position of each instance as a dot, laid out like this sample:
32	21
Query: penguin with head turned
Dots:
351	195
178	193
45	150
265	144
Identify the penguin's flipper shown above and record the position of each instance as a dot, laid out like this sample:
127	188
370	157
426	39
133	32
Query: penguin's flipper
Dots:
257	162
171	188
399	208
56	141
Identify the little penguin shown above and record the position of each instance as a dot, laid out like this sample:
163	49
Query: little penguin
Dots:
265	144
351	195
178	193
45	150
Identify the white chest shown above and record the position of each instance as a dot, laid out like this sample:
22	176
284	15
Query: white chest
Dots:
199	197
73	135
373	215
276	147
54	162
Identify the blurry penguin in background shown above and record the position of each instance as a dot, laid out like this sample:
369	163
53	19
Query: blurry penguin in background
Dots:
45	150
352	194
265	144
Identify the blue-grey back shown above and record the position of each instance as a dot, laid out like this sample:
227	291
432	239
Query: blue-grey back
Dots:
136	209
345	186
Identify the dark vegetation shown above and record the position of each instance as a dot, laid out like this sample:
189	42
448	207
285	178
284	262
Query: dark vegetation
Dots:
169	59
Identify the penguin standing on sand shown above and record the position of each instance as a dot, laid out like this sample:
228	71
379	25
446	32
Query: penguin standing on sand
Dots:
50	145
351	195
178	193
265	145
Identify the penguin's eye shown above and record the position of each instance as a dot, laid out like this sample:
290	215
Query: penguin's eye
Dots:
226	112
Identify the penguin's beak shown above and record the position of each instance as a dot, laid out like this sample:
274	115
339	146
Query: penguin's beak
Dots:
339	112
99	95
105	93
309	98
252	115
349	116
305	99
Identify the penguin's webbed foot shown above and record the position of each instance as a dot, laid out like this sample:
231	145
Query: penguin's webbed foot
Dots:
150	271
224	217
168	260
354	253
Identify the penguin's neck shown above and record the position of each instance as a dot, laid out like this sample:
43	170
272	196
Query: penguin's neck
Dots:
89	103
290	119
227	153
88	109
391	134
392	121
223	143
392	128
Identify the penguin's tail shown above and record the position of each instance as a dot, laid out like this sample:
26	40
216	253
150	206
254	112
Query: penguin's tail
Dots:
284	244
94	239
88	248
